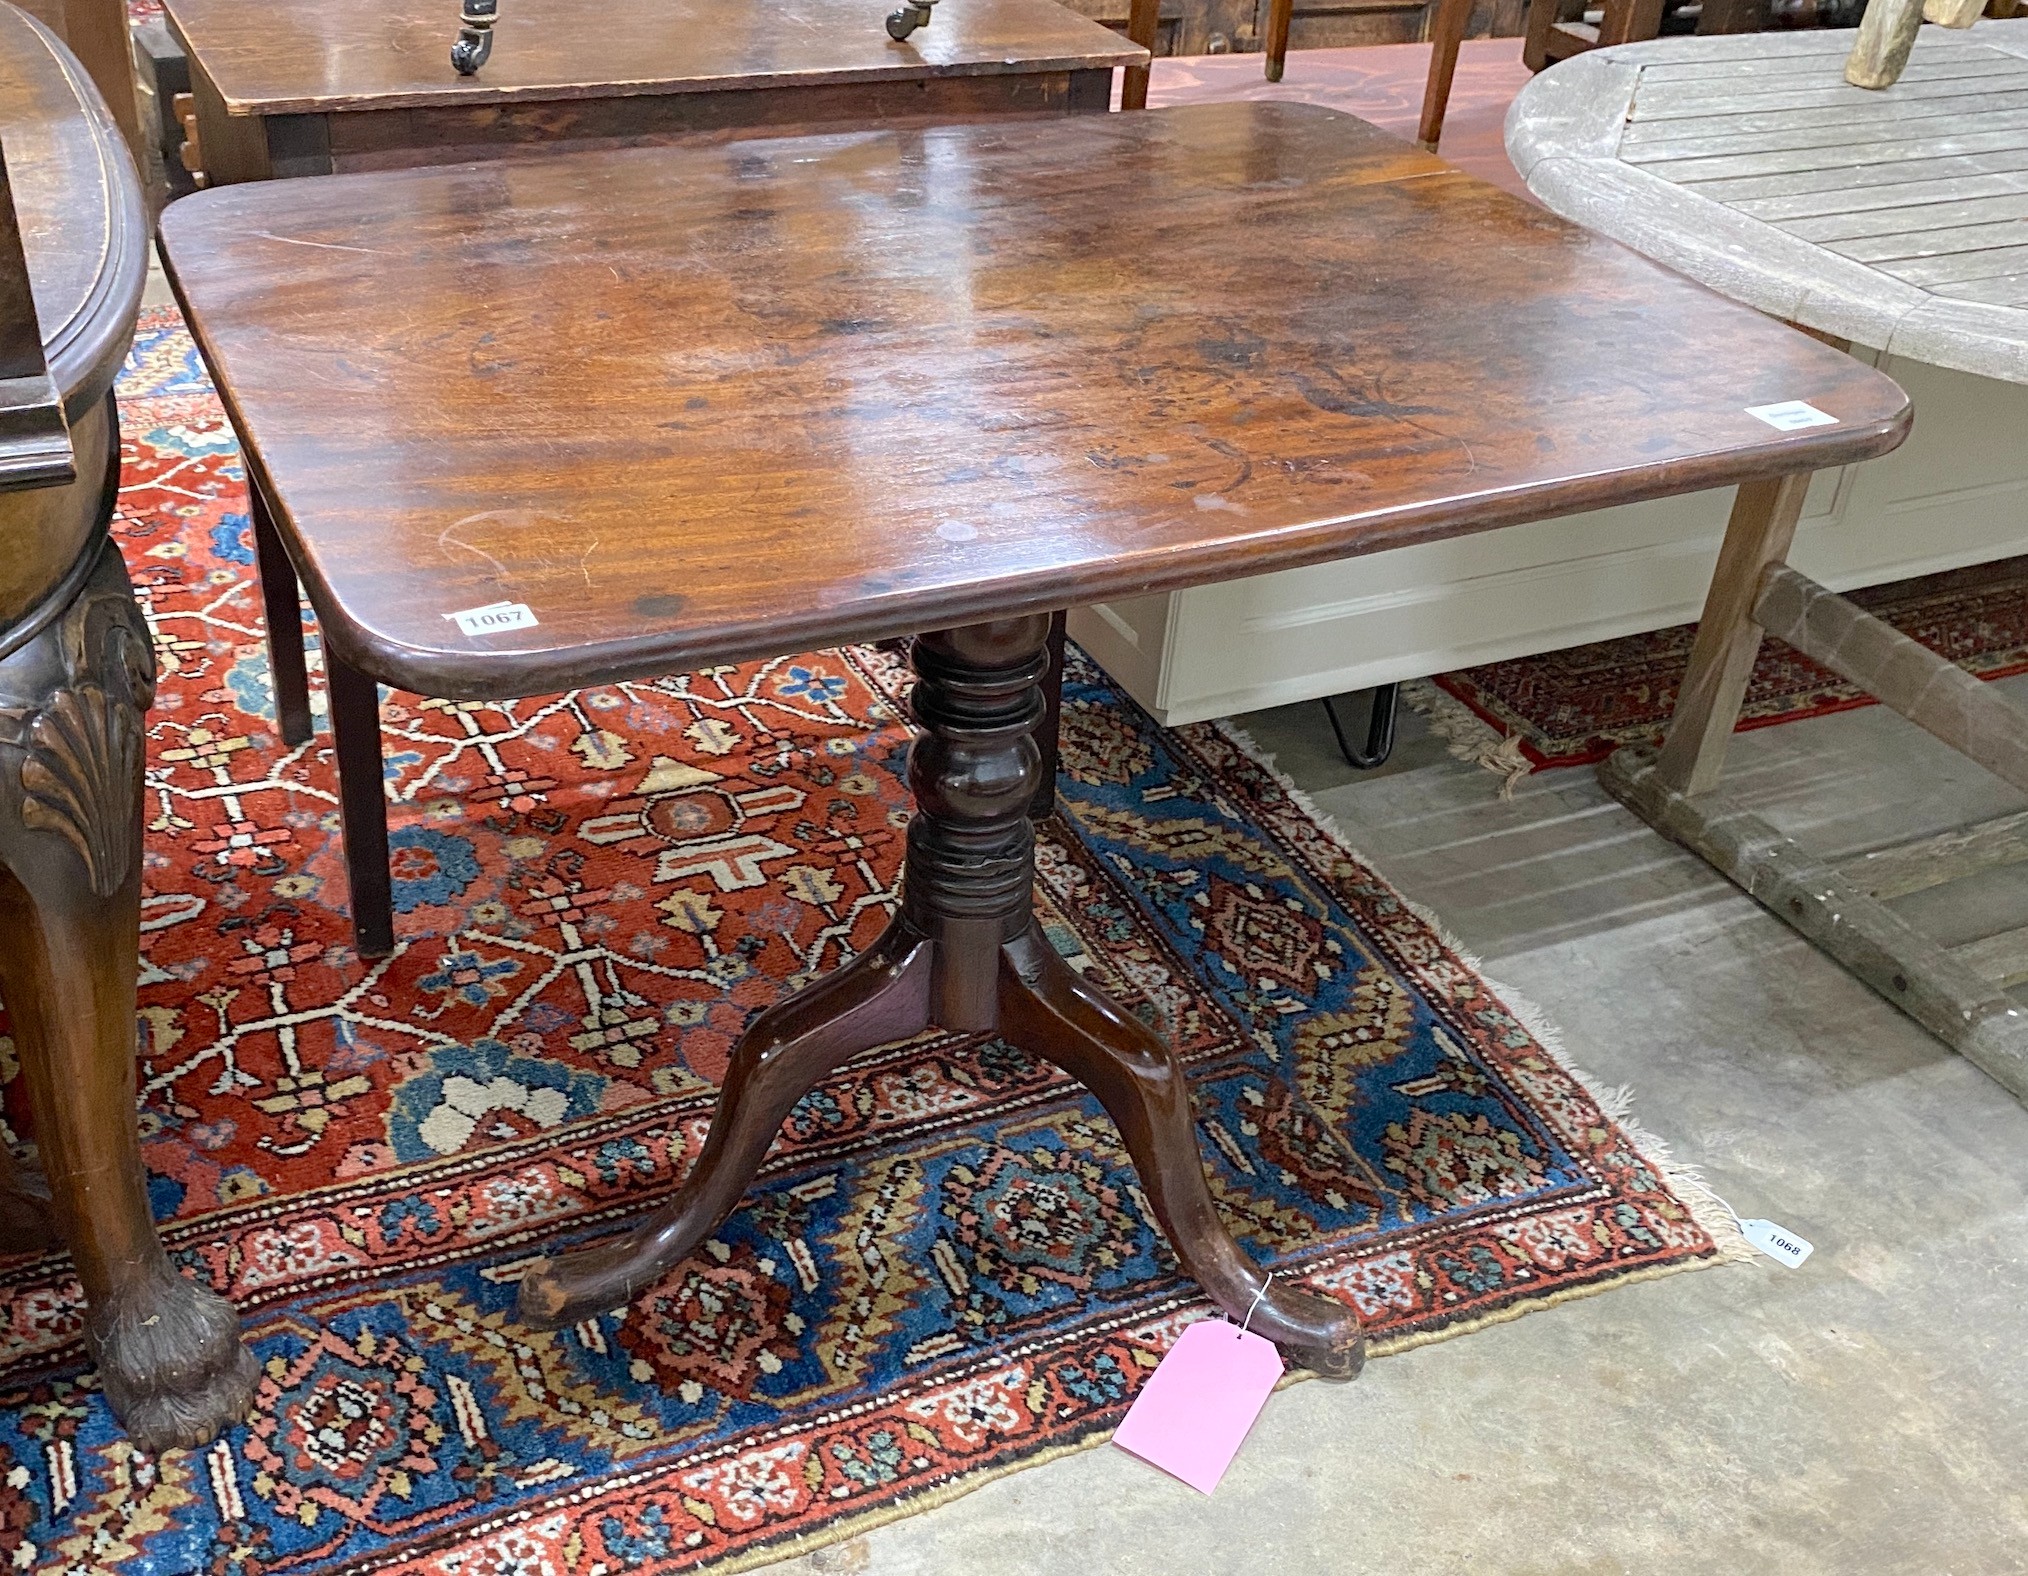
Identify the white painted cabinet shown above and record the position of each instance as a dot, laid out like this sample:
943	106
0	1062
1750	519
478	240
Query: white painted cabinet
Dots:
1955	493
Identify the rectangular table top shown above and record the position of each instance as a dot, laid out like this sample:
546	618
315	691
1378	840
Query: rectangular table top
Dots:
697	405
396	54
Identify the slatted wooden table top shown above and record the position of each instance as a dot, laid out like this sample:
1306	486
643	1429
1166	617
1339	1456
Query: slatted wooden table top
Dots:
1896	219
395	54
697	404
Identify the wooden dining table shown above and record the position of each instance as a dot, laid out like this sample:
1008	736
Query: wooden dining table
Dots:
638	411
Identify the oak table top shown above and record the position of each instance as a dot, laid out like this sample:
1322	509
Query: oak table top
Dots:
1895	218
690	405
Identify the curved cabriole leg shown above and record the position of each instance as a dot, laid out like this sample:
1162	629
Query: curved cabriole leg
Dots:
1047	1010
965	955
170	1358
879	997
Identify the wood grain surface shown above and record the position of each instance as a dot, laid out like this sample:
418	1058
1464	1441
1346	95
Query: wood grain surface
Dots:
83	228
393	54
692	405
84	237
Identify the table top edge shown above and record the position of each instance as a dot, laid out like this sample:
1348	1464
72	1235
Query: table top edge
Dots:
482	674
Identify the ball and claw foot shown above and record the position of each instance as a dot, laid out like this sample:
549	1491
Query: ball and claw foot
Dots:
905	21
171	1362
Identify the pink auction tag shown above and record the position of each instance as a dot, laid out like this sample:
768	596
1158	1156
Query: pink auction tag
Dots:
1195	1409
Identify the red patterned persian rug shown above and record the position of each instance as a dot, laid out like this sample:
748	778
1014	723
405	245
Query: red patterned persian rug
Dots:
1575	707
948	1272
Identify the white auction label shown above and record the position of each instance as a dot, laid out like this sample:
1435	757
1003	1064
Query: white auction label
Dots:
1791	415
493	619
1777	1242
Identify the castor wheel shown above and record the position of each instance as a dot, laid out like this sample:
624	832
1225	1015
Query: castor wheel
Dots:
475	36
905	21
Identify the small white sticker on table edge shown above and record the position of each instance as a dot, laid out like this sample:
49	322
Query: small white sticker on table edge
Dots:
1777	1242
1791	416
493	618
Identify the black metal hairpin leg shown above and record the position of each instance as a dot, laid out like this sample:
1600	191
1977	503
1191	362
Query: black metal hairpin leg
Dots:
910	17
475	36
1384	699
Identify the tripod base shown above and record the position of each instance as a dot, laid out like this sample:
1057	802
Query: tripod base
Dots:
965	955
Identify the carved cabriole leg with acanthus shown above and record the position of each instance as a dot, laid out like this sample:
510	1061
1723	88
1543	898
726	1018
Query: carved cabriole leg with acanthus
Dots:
964	954
72	695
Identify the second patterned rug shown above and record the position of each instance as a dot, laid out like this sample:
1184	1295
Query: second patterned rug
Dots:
1575	707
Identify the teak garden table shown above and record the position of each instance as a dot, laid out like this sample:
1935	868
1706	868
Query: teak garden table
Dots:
1895	219
703	405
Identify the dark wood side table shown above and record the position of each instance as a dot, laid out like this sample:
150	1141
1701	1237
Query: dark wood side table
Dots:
849	387
77	674
323	90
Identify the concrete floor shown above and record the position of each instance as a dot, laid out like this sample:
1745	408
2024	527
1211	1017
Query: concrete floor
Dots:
1866	1413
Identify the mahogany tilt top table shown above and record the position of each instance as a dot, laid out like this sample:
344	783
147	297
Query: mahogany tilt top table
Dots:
671	407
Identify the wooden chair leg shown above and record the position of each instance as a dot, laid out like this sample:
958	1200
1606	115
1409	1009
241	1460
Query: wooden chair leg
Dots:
1762	526
1535	33
1280	14
27	1220
1732	16
362	804
99	34
281	606
1143	18
1630	21
1887	34
170	1358
1448	22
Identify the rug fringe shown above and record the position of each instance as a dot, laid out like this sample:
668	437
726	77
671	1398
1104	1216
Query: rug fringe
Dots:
1614	1104
1469	736
1683	1177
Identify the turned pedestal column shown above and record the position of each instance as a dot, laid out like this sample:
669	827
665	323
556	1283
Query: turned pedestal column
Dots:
964	953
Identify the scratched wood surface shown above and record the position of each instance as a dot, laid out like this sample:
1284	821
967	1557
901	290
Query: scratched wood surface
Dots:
395	54
83	227
84	237
1895	218
691	405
